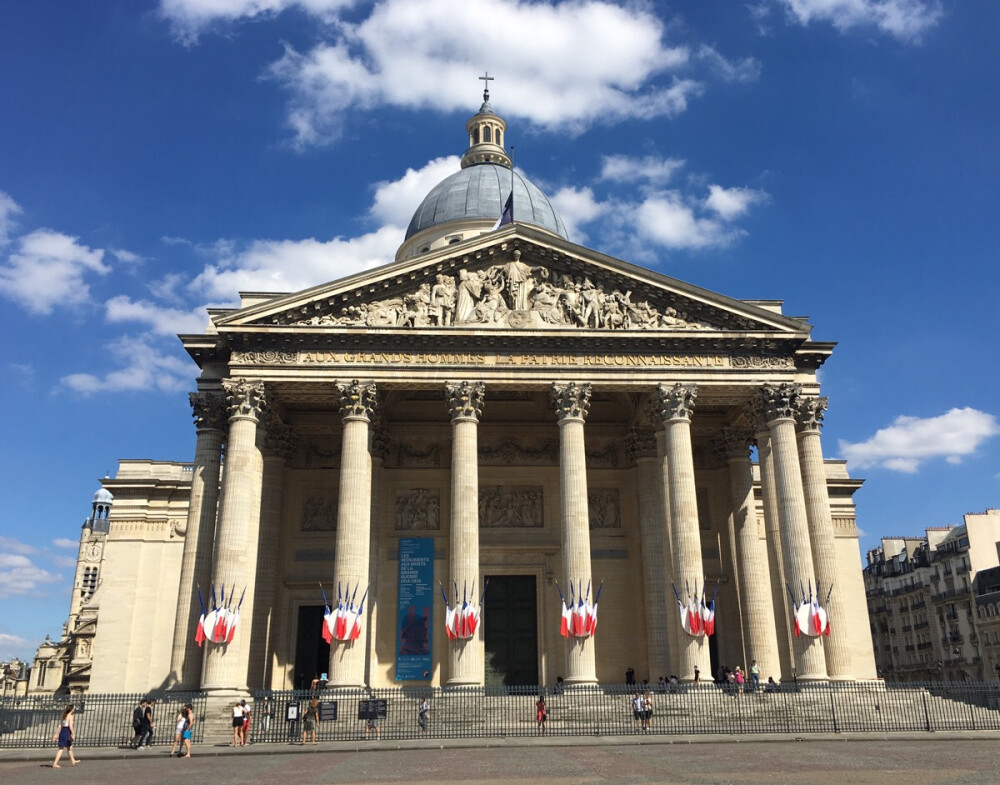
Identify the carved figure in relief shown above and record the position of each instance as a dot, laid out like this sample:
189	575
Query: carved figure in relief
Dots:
443	299
419	510
319	514
470	288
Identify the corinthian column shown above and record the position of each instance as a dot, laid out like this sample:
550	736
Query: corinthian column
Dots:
824	547
571	402
751	561
351	560
196	562
279	446
465	403
641	444
780	405
676	405
234	564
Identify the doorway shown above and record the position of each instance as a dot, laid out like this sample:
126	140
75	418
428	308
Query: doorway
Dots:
312	653
510	630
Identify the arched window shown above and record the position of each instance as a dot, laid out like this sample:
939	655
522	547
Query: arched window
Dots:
475	136
487	137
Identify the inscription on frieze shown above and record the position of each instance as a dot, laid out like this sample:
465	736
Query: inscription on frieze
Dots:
511	507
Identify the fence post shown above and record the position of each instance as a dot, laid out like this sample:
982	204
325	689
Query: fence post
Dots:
927	716
833	712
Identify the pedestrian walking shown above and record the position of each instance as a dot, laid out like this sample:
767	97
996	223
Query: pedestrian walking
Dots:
188	712
638	710
647	710
541	713
148	725
755	675
423	713
180	722
65	737
310	722
266	713
138	713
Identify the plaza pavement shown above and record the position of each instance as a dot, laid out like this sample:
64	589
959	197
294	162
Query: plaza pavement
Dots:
905	759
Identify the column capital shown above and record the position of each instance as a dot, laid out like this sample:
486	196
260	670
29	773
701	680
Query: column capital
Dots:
810	413
571	400
734	443
640	443
209	410
780	401
677	402
358	400
245	397
465	399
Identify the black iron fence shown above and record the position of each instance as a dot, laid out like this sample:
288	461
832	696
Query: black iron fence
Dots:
612	710
103	720
599	710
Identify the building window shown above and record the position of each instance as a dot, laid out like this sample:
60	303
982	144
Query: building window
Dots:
487	137
89	583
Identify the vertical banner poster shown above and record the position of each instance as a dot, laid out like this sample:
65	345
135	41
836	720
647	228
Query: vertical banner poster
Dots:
415	609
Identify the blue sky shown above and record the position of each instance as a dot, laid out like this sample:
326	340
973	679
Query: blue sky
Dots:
157	157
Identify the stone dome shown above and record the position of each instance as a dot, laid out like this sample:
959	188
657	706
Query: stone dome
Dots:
468	203
480	192
103	496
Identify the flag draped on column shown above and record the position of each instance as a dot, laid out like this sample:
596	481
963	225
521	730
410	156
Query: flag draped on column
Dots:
343	623
219	624
579	616
809	616
697	614
462	621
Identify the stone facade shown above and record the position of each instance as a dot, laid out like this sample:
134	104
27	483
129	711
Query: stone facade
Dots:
550	416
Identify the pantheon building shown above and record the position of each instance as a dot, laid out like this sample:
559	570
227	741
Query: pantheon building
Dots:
498	415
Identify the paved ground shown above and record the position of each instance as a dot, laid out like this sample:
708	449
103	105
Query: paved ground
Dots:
931	759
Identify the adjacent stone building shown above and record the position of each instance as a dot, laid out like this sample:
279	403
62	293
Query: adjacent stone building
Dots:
932	602
542	417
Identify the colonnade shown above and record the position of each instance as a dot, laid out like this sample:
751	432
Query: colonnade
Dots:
798	548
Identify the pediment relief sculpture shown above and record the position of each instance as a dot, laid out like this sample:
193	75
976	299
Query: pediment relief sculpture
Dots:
509	295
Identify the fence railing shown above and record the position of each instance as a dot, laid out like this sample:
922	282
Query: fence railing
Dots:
99	720
598	710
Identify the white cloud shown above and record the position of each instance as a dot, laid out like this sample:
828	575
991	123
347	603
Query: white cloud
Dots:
906	20
145	368
667	220
8	209
65	542
191	17
18	575
161	320
649	168
577	206
731	203
909	441
566	66
14	646
745	70
47	271
396	201
10	545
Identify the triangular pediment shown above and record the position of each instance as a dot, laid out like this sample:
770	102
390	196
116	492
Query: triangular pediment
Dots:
512	280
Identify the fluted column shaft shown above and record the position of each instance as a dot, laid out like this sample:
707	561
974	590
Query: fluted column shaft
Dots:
676	407
351	559
751	561
810	662
278	448
652	530
465	402
196	559
571	402
837	646
663	483
234	563
776	569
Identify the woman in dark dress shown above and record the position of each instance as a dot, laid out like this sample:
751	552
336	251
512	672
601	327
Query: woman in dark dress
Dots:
65	738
